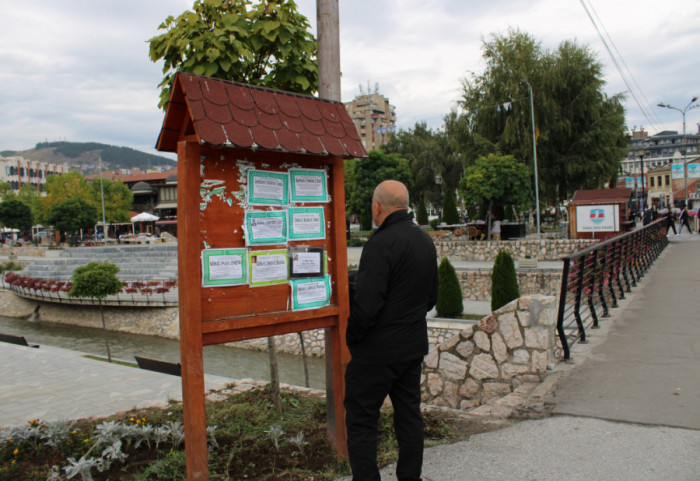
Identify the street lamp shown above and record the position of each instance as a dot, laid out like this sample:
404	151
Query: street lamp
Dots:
685	149
640	153
534	155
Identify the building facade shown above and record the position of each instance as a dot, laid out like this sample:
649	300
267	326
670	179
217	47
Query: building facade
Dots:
659	160
374	117
18	171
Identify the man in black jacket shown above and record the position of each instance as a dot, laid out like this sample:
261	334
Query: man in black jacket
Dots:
387	335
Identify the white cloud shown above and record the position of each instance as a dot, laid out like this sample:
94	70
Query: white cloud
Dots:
79	71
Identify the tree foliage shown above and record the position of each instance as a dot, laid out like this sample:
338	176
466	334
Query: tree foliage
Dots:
496	180
450	215
72	215
421	213
504	281
15	214
266	43
579	130
118	199
96	279
449	300
60	188
364	176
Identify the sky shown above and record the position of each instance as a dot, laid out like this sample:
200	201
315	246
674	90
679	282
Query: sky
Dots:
79	70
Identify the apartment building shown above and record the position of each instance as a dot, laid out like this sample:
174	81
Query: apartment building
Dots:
373	116
18	171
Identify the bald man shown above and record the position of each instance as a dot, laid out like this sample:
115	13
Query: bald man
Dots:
387	335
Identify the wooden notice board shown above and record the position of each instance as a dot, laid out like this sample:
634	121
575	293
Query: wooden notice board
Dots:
261	227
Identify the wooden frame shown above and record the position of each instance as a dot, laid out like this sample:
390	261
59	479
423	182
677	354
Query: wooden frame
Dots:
213	315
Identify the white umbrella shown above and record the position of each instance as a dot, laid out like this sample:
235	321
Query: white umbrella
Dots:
144	217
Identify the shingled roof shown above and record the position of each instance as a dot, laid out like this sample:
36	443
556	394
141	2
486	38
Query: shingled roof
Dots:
601	196
232	114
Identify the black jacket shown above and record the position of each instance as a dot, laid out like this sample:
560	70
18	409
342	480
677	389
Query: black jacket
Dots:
396	287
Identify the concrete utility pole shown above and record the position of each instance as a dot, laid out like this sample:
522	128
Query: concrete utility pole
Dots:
328	49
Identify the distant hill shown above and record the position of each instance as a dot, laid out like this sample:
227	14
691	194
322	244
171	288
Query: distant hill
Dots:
85	156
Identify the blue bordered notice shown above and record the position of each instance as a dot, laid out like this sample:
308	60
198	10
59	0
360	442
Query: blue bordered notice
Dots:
310	293
308	185
306	223
265	228
224	267
268	268
268	188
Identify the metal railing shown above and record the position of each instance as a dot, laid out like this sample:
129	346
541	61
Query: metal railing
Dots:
594	279
149	293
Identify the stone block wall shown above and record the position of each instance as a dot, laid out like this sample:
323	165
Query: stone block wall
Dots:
476	283
512	346
459	248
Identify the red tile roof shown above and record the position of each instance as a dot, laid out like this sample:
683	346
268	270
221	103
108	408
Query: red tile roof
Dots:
227	113
149	176
601	196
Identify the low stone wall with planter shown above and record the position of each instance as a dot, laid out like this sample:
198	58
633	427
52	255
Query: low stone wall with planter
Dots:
476	283
459	248
492	358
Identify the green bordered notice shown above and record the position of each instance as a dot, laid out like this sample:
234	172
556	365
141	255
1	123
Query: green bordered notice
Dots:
311	293
308	185
268	267
268	188
224	267
306	223
266	228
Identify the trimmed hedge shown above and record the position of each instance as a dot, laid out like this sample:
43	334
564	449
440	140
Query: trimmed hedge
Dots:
504	281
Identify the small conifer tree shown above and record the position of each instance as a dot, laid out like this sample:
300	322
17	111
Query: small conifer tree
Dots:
449	208
421	212
449	300
504	282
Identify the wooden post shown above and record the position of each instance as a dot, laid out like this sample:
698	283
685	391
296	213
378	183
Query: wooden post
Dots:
329	88
189	287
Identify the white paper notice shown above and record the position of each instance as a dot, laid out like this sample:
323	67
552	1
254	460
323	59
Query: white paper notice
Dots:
306	223
267	227
266	268
225	267
307	263
269	188
309	186
311	292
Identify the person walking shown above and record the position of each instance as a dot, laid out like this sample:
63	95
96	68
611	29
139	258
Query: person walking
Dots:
670	222
387	335
684	221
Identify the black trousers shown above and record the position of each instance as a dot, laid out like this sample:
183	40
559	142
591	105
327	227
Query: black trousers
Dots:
686	225
366	388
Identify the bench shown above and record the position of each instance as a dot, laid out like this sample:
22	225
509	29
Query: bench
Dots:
159	366
19	340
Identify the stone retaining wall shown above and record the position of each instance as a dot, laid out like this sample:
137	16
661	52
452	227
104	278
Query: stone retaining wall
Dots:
462	249
476	283
512	346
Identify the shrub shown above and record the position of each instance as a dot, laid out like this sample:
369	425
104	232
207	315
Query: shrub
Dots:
449	210
434	223
449	300
504	282
421	213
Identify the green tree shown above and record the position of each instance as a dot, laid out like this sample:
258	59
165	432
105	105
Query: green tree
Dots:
421	213
580	132
97	280
496	180
449	300
118	199
367	174
15	214
449	208
60	188
72	215
504	281
267	43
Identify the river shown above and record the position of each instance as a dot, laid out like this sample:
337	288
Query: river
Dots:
220	360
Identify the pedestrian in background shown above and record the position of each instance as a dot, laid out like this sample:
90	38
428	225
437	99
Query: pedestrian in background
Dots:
671	222
684	221
387	335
